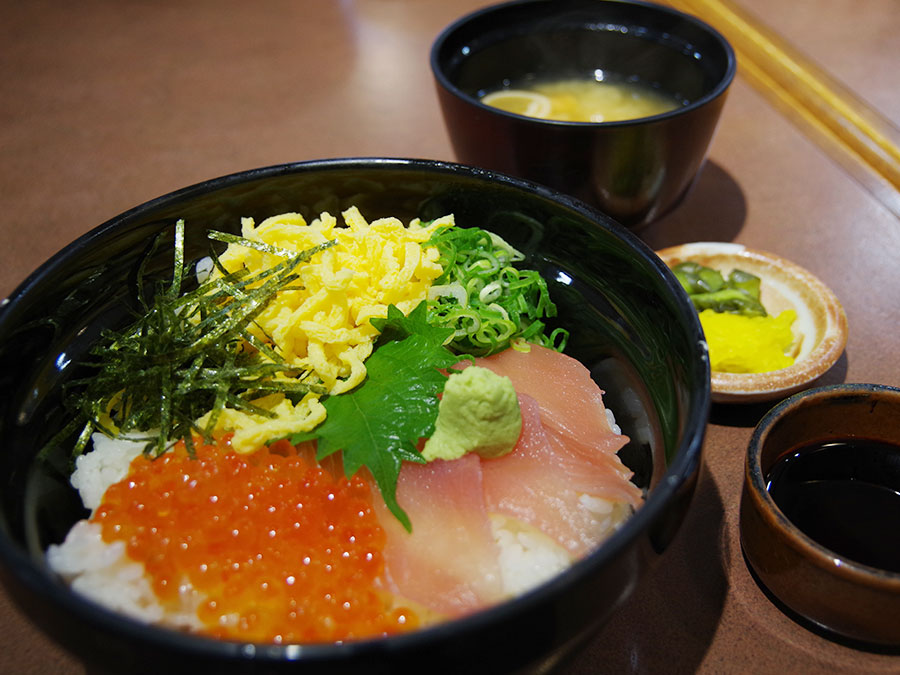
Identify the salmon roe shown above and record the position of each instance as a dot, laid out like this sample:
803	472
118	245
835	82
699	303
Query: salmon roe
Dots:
275	548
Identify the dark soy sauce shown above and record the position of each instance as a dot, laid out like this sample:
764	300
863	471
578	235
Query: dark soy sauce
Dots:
844	494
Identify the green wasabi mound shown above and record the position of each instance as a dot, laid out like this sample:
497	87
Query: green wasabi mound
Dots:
479	412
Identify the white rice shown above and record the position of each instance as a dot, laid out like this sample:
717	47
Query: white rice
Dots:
528	557
103	571
107	464
611	418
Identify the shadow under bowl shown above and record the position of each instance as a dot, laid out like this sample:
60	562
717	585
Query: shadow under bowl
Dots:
629	324
633	170
789	556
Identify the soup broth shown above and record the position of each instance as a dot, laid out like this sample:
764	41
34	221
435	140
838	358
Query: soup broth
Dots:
583	100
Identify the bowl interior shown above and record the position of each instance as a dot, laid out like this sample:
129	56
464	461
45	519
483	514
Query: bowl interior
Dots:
627	41
628	321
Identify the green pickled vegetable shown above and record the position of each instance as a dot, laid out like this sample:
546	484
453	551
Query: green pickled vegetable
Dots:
708	289
749	283
699	279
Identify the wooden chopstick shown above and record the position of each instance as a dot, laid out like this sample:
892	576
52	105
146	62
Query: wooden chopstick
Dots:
862	140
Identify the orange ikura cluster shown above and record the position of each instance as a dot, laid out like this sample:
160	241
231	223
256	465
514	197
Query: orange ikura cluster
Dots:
277	549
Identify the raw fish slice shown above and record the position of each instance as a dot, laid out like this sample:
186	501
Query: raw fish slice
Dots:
611	480
571	406
571	402
450	562
527	485
541	482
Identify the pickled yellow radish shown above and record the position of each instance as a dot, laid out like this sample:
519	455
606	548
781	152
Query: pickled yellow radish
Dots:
749	344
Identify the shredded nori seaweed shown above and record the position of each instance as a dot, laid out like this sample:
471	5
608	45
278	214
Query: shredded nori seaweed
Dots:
188	354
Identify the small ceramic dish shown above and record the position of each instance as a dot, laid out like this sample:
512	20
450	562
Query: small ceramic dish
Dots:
828	495
821	320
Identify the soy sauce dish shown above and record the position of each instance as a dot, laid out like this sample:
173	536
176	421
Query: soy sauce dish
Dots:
820	327
820	507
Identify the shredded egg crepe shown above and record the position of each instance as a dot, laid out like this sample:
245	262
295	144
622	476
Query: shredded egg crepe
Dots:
321	323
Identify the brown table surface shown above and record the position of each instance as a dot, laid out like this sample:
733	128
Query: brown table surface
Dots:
105	104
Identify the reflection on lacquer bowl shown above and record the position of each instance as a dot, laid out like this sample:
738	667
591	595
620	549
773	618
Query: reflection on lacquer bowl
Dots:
628	323
635	170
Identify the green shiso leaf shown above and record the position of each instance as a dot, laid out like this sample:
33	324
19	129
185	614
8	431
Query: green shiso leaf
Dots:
379	423
397	326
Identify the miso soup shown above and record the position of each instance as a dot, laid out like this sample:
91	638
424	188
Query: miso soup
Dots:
583	100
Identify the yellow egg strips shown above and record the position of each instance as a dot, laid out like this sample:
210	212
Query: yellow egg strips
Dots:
321	323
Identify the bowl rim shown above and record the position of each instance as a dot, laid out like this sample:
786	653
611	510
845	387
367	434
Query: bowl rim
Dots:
720	89
27	573
822	557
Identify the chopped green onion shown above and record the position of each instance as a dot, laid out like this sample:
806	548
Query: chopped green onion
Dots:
485	299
